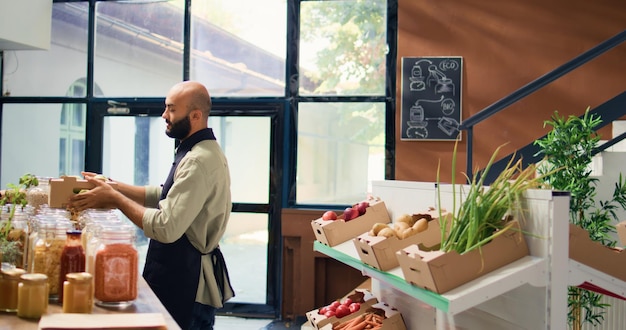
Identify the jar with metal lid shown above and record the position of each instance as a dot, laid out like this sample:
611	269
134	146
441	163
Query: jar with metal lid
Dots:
116	259
32	295
72	258
9	280
47	252
37	196
78	293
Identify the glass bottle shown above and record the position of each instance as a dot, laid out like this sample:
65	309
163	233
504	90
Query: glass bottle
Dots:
78	293
32	295
72	258
116	258
9	280
47	252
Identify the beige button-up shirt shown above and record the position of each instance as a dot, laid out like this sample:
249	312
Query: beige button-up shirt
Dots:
197	205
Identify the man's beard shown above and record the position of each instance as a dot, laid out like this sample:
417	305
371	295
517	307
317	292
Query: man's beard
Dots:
179	129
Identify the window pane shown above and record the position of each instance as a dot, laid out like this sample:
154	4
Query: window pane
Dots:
246	143
340	151
343	47
31	141
139	50
244	246
238	46
30	72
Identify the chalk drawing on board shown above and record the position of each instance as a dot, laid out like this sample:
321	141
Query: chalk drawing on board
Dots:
416	79
448	106
443	84
417	124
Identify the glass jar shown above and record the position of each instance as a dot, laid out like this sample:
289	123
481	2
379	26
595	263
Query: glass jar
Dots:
115	280
32	295
37	196
78	293
72	258
14	246
9	280
47	252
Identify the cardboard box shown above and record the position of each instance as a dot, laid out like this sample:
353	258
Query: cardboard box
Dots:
335	232
362	296
392	318
380	252
62	188
621	232
440	272
608	260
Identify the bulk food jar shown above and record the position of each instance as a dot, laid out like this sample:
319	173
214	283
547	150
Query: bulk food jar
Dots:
9	280
14	244
47	252
32	295
115	267
78	293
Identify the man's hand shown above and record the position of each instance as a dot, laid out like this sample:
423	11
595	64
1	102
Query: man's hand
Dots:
102	196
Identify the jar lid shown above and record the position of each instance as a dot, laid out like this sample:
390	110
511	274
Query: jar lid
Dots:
13	273
34	277
78	277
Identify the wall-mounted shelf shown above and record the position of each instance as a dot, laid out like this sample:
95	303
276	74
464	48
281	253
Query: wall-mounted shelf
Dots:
526	270
530	293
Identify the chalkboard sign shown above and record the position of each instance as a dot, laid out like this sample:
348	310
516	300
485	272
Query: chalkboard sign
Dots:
431	98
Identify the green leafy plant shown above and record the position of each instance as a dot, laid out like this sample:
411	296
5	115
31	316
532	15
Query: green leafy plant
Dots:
14	196
484	211
569	146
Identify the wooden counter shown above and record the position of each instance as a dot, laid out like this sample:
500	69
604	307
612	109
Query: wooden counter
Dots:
146	302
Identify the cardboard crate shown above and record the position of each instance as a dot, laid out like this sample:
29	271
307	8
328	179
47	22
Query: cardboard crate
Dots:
440	272
608	260
335	232
362	296
392	318
621	232
380	252
62	188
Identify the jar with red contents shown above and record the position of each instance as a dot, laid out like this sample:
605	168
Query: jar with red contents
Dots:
116	267
72	258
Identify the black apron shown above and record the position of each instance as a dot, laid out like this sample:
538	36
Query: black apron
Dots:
172	270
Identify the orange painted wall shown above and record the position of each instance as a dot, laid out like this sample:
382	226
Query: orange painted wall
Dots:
506	44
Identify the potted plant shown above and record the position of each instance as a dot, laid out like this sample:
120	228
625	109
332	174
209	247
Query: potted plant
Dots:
569	146
12	239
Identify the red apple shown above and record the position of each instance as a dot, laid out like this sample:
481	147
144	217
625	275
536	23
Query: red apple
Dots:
329	215
342	311
362	207
350	213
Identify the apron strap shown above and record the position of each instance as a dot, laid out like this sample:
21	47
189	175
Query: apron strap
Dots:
220	271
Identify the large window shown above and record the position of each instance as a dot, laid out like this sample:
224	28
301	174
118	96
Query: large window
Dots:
303	106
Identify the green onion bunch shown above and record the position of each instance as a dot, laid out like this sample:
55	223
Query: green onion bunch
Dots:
485	211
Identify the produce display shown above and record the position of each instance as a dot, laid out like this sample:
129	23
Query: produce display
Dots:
405	226
340	309
369	320
350	213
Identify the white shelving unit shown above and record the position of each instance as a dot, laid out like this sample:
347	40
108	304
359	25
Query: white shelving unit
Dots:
530	293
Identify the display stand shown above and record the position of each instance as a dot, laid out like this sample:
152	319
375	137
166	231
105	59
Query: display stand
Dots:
530	293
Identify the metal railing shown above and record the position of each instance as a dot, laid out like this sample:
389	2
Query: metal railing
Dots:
469	123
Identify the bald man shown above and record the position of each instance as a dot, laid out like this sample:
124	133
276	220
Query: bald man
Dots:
184	218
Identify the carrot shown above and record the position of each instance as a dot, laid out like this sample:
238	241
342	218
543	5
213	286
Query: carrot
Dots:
349	323
358	326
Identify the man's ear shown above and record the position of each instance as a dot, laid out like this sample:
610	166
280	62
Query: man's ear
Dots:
196	114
